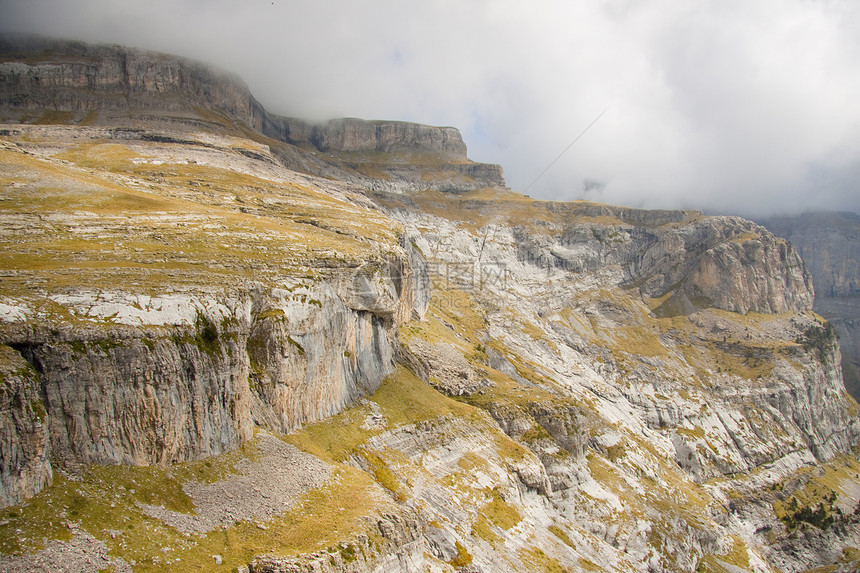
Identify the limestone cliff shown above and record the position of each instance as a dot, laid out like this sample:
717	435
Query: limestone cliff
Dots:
227	362
52	81
350	134
161	393
680	265
275	308
599	329
830	243
726	263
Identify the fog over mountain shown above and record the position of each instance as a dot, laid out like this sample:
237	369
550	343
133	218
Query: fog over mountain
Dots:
744	107
232	340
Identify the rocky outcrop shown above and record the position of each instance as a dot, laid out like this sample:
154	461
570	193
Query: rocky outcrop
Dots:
727	263
195	383
685	264
797	409
681	334
422	289
25	466
830	246
310	360
554	432
722	262
443	367
41	74
351	134
397	545
110	84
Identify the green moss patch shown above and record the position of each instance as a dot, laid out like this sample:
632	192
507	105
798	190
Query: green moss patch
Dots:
499	512
736	558
406	399
539	562
463	557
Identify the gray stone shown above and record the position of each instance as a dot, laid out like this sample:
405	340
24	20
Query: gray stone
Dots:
25	450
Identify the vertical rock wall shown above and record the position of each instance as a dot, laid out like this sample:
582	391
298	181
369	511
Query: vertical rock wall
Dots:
310	360
143	401
195	385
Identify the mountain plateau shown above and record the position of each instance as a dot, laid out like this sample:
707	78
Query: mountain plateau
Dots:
233	341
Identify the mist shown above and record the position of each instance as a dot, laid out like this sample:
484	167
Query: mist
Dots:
746	107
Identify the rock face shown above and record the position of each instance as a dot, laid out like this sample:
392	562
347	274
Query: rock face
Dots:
349	134
694	331
309	363
126	403
78	82
172	393
830	245
444	367
730	264
724	262
83	78
25	450
684	263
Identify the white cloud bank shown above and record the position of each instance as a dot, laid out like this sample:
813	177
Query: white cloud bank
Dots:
749	106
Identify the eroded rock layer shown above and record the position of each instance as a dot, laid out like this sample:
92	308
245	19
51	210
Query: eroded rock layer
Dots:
468	379
73	82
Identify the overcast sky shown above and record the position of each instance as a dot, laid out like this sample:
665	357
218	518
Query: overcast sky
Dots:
743	106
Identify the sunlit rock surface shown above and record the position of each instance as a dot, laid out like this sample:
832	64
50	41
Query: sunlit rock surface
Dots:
477	381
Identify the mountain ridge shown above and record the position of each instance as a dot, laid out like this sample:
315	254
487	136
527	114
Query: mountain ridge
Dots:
77	80
491	382
829	242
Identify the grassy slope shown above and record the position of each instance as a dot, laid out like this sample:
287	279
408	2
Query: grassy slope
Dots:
105	216
109	220
103	501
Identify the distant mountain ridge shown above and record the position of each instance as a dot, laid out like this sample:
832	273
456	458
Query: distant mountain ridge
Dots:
829	243
64	81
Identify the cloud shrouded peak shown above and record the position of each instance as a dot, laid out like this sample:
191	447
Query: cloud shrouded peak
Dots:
746	107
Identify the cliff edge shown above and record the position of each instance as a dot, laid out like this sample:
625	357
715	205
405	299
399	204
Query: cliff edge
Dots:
231	341
56	81
830	245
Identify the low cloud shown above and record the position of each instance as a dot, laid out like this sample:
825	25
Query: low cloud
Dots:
734	106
